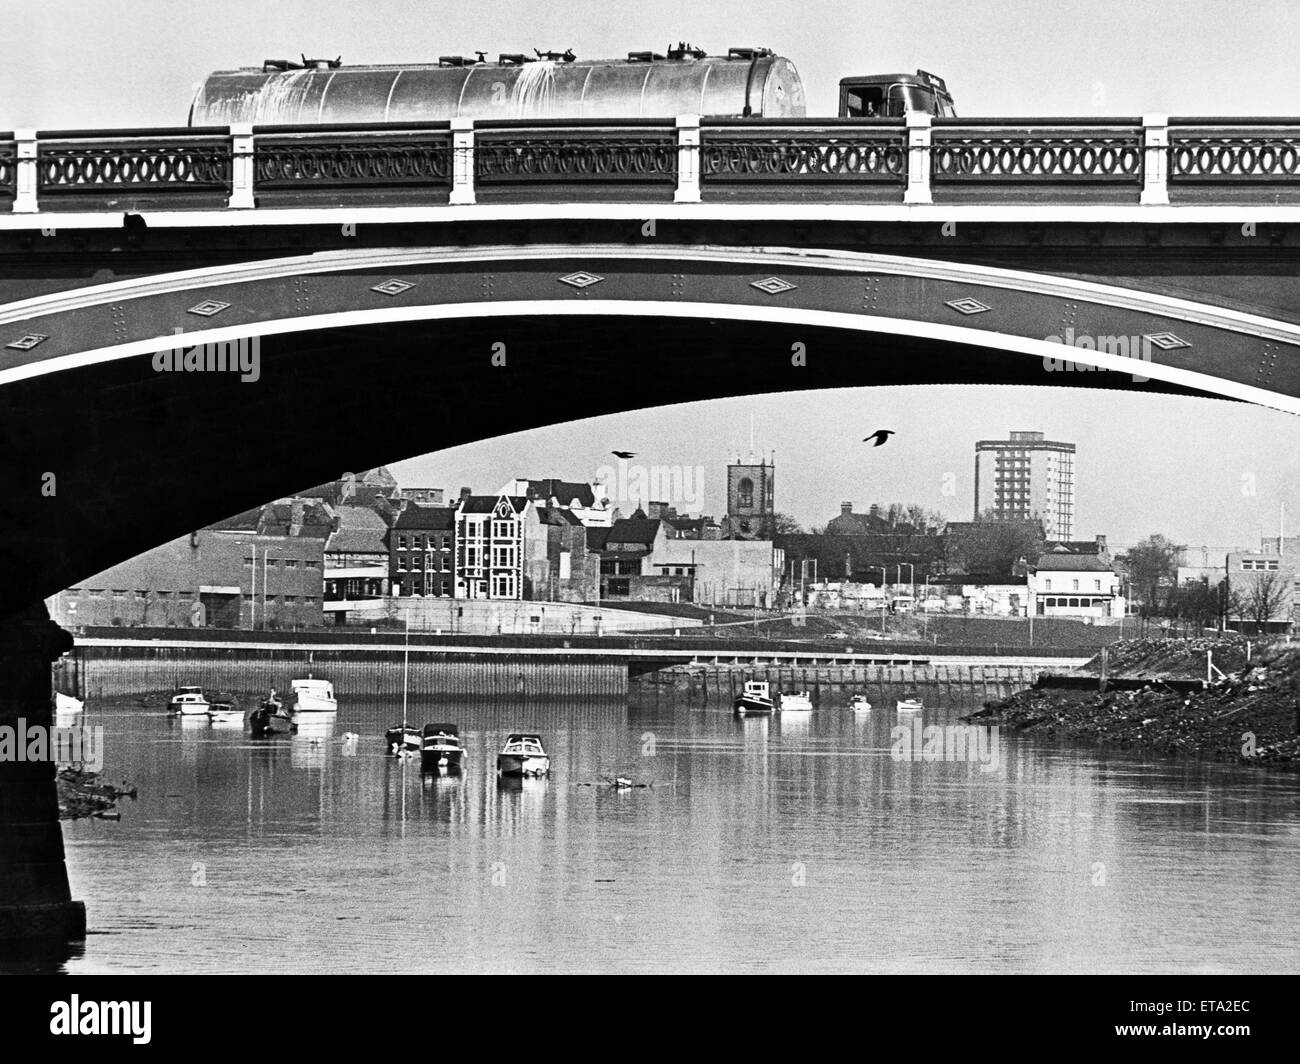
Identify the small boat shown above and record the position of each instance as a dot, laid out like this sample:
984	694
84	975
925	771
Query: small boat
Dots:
859	704
523	755
756	698
188	702
796	703
225	710
269	718
910	705
402	739
66	706
440	747
311	696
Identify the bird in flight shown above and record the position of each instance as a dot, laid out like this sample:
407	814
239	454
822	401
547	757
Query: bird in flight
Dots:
623	454
880	436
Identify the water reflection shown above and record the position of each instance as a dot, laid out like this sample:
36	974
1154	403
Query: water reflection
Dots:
1061	860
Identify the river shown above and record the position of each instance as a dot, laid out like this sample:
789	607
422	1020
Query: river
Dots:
793	844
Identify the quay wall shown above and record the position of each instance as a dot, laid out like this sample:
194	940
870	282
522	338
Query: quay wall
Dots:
956	684
103	672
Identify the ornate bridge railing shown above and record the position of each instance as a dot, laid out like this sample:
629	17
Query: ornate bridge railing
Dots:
1153	161
393	163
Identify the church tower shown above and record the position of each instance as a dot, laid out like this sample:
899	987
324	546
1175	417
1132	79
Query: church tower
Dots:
751	499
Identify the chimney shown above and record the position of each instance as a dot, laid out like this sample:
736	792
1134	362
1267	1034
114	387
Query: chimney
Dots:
465	493
846	508
875	510
1101	544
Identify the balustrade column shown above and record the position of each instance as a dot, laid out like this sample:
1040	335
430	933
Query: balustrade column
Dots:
688	159
1155	160
25	166
918	159
462	160
242	165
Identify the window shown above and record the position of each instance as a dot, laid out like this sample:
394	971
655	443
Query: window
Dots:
311	563
1047	585
401	563
1074	585
1096	585
503	557
503	530
291	563
745	493
401	542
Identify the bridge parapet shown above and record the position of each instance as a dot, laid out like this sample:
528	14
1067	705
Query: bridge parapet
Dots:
1155	160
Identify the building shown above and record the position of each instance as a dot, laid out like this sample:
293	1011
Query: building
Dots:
356	489
1027	477
572	571
422	551
587	502
626	550
751	500
684	526
500	548
728	572
424	496
357	564
260	569
1261	590
1075	585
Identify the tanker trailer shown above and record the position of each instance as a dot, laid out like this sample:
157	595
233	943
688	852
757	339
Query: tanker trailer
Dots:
747	82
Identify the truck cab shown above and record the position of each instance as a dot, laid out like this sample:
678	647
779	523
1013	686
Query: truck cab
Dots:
895	96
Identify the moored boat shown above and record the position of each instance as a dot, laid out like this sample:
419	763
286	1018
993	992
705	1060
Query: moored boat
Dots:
756	698
441	747
910	705
523	755
67	706
269	718
188	702
402	739
311	696
859	704
225	710
799	702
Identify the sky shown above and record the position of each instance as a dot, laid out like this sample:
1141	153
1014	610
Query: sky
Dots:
1204	472
78	64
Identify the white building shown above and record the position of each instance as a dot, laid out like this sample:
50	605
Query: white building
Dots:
589	503
1075	585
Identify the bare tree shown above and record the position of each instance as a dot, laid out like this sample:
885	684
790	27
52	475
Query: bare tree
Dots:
1264	598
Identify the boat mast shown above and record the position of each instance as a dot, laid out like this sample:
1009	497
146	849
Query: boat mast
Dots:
406	666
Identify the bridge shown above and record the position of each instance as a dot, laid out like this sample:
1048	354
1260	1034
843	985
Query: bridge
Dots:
411	287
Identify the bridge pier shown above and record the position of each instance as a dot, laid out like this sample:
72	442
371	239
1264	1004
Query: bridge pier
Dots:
36	906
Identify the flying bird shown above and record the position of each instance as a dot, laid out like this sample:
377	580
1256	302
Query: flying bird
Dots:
623	454
880	436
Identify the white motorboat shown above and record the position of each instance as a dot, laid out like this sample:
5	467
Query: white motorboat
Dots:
756	698
312	696
188	702
799	702
910	705
441	747
523	755
859	704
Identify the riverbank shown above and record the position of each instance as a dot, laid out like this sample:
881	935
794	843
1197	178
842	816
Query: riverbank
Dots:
1249	716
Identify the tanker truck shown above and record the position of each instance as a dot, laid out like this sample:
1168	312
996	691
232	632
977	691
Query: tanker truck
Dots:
745	83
